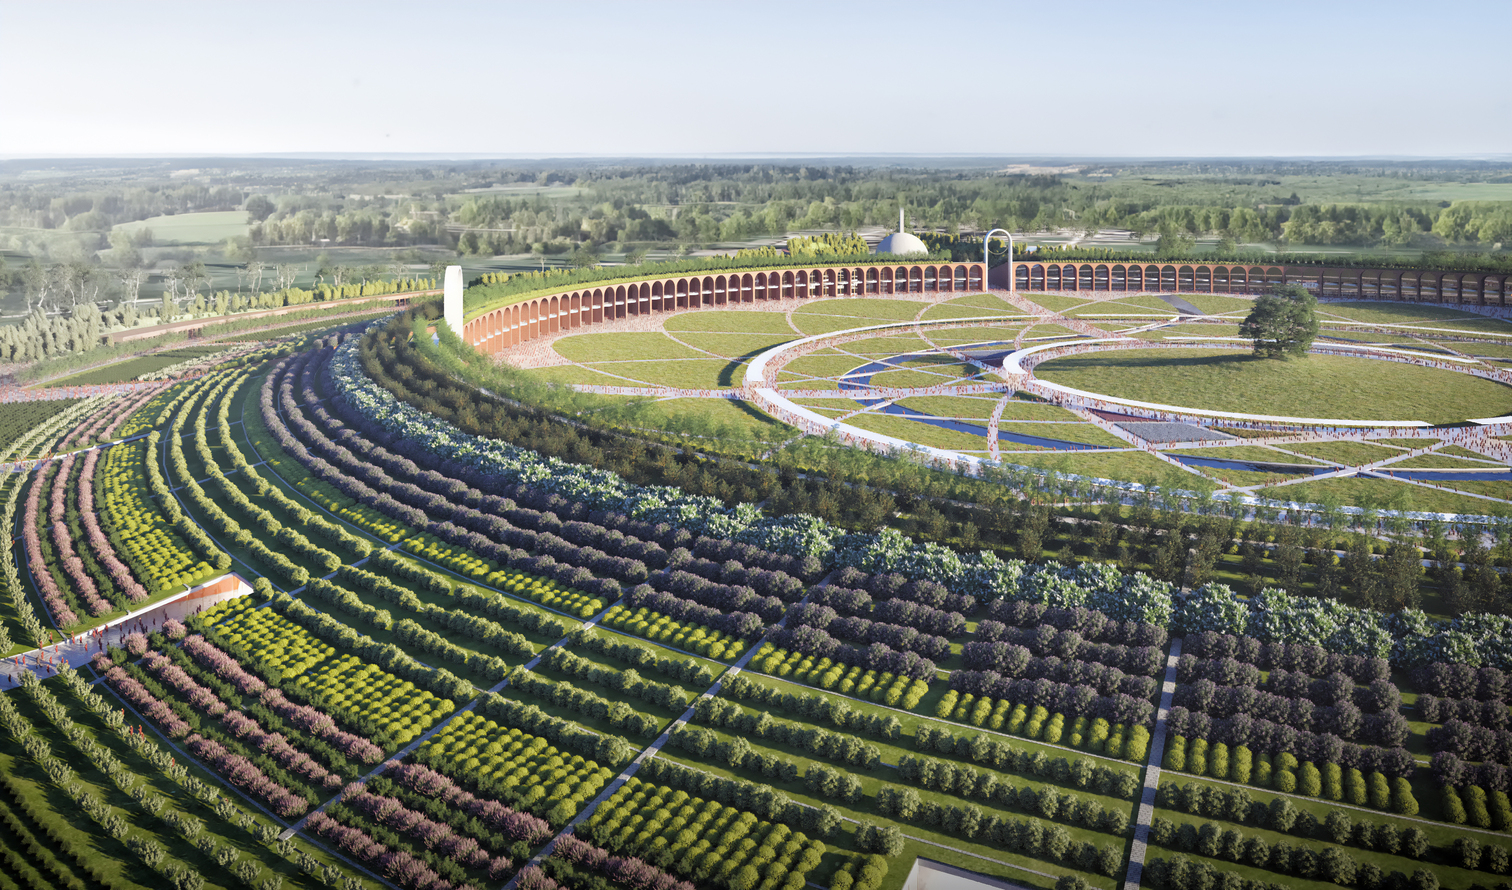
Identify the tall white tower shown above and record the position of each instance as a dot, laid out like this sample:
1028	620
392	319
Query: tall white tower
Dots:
451	299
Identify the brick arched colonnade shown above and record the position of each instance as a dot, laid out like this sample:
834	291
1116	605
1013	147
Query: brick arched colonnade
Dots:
574	308
1406	285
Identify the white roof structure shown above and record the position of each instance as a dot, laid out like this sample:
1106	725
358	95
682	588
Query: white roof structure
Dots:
901	242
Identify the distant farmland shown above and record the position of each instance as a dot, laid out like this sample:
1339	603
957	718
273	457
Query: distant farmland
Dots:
193	228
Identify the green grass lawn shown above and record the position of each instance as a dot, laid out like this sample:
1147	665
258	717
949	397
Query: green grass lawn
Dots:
882	311
985	333
1474	325
1244	452
1201	330
811	325
132	368
1395	313
823	411
1133	466
1086	433
207	227
720	418
621	347
822	364
1319	386
1491	488
946	311
1050	330
989	302
1462	452
733	345
1244	478
1355	490
1410	444
1477	349
730	321
1441	460
573	374
693	373
952	406
1119	313
1349	453
1054	302
919	432
887	345
926	371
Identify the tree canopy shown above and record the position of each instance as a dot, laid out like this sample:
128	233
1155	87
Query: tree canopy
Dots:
1283	322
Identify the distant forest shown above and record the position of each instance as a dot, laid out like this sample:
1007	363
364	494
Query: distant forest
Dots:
200	233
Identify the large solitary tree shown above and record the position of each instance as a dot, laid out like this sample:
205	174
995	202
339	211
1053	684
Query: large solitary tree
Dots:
1283	322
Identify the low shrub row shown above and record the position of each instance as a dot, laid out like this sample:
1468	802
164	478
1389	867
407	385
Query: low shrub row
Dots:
689	637
880	686
1285	773
1264	736
565	734
1280	815
815	643
1028	837
1306	658
684	670
387	656
703	840
626	682
1096	734
968	782
521	770
1345	719
620	715
1333	864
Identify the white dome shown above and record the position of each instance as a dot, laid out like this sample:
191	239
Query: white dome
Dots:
901	243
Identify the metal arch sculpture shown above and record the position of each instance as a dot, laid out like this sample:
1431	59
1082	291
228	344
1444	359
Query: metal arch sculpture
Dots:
987	259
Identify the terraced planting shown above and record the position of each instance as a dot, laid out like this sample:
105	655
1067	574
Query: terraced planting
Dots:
464	664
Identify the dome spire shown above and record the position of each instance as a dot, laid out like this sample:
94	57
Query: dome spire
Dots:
900	219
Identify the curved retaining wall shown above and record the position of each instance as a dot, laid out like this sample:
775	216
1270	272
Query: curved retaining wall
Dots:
1403	285
579	307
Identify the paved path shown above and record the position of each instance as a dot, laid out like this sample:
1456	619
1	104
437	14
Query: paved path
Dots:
78	649
1146	812
412	746
650	751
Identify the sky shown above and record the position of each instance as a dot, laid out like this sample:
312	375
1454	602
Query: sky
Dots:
698	78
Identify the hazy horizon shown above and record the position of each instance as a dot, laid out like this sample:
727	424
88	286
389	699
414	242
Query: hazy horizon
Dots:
678	79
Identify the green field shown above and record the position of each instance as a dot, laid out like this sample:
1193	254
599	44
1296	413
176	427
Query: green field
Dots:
1085	433
920	432
730	321
733	345
1245	452
208	227
622	347
1320	386
1384	491
1393	313
1056	302
133	368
